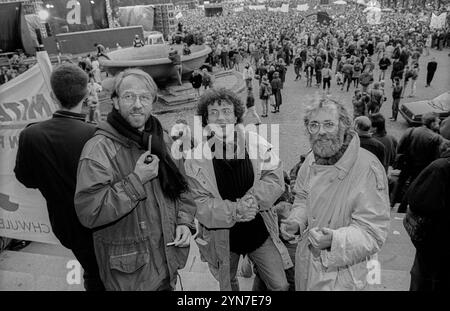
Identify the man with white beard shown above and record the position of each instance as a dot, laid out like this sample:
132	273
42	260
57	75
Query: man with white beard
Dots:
341	207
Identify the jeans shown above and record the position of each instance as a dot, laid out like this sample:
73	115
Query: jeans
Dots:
258	284
326	83
265	106
269	264
395	105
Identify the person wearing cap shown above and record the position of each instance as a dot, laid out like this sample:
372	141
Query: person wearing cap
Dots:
175	58
137	42
134	193
47	160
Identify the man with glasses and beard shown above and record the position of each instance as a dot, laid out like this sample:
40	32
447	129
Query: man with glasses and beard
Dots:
341	208
134	193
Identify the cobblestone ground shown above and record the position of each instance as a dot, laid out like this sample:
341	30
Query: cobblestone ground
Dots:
293	141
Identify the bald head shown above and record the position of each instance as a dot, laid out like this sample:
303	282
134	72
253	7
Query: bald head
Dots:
362	124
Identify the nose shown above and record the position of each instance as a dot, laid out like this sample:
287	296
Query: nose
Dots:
138	102
321	130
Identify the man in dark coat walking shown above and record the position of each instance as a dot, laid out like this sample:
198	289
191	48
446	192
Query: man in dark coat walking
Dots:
431	69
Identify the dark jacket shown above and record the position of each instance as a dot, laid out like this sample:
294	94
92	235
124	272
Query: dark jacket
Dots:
421	145
47	159
390	146
429	196
431	66
384	63
374	146
196	81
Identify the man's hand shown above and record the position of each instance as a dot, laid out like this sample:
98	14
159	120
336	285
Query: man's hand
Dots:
289	229
246	209
146	172
320	238
182	236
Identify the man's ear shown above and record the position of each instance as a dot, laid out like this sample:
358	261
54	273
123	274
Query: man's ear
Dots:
116	103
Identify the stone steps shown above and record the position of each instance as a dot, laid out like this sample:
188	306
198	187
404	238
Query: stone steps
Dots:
44	267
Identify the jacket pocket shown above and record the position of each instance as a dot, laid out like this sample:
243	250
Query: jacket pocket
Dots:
129	263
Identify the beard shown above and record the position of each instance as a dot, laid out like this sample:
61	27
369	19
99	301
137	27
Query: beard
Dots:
328	144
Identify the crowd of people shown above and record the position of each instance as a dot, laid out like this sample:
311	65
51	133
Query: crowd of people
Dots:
129	206
16	65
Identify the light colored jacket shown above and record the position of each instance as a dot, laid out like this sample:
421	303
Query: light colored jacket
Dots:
216	216
351	198
133	221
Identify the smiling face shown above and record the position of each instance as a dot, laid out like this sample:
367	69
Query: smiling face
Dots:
219	116
330	137
134	101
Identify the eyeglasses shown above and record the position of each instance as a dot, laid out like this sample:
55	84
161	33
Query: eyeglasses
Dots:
329	127
214	114
130	98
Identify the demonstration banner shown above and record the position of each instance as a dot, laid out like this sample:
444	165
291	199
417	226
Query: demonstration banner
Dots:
23	100
438	21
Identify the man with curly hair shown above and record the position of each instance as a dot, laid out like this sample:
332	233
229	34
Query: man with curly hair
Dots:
235	183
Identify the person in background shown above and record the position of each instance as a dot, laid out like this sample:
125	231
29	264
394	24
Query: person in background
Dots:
250	103
265	91
384	64
137	42
248	75
207	79
94	89
429	198
431	69
421	147
101	51
362	126
186	49
357	69
326	77
414	76
396	96
47	160
196	81
277	86
176	62
359	106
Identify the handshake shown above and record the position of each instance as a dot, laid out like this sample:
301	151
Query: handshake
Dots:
247	208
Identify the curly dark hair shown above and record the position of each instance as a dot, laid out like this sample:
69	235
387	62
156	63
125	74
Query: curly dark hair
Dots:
218	95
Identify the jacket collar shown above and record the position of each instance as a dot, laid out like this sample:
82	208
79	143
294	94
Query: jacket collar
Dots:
69	115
